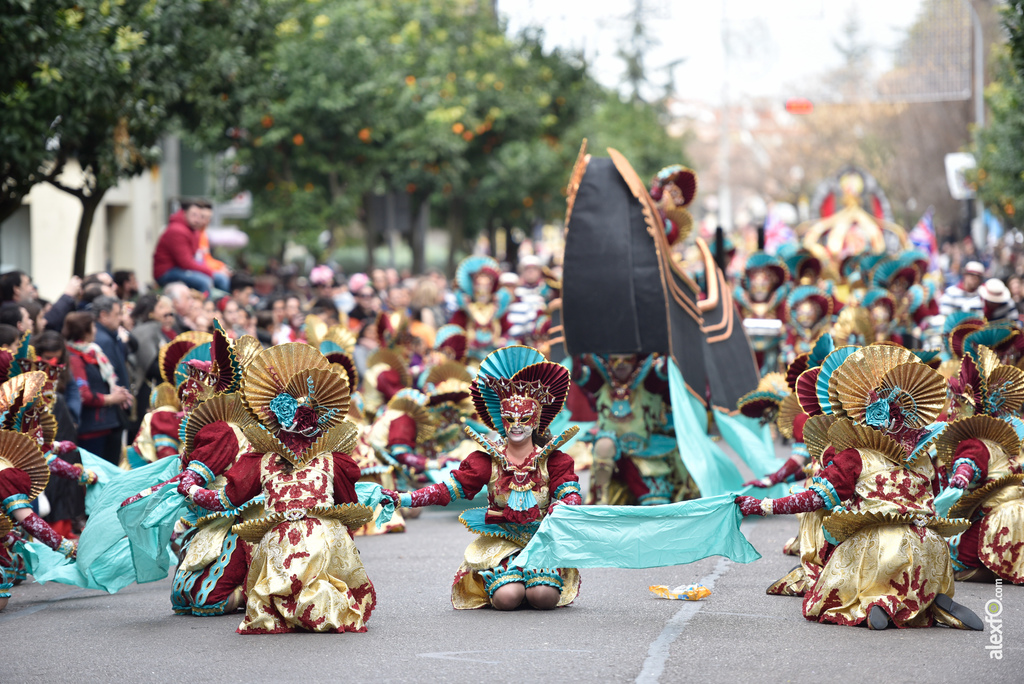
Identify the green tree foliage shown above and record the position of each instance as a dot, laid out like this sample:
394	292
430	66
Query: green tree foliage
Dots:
1000	172
102	82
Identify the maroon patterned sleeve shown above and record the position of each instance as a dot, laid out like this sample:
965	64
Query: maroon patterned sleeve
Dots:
840	471
216	447
970	463
473	475
346	472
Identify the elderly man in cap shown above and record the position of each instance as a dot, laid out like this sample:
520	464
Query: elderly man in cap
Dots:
997	301
964	296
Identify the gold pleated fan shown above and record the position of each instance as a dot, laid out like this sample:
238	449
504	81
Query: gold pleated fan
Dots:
1008	382
20	451
853	326
980	427
226	407
315	329
861	373
846	434
164	395
949	368
341	336
21	389
987	360
330	391
341	438
816	437
967	503
448	371
425	425
272	370
843	525
789	409
921	397
393	361
246	349
773	382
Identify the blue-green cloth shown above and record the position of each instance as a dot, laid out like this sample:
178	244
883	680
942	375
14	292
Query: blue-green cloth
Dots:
639	536
751	440
106	472
945	500
104	558
148	524
707	464
371	494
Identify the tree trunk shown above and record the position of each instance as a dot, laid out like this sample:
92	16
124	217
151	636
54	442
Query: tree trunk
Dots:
371	233
90	203
418	235
456	233
492	236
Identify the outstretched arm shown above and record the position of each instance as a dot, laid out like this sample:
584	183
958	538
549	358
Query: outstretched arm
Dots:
464	483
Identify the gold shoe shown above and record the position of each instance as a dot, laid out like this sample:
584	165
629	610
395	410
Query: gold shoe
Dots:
952	614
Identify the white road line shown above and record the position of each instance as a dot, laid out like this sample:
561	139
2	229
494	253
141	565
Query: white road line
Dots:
658	653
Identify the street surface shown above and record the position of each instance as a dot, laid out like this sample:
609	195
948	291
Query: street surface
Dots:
615	632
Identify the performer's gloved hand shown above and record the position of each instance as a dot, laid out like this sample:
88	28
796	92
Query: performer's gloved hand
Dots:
749	506
791	468
188	479
393	495
88	477
962	476
63	447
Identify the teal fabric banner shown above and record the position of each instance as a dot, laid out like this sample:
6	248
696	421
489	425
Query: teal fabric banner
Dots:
106	473
148	524
707	464
945	500
639	536
104	558
751	440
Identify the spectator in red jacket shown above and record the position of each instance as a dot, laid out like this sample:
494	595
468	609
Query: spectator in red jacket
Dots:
175	257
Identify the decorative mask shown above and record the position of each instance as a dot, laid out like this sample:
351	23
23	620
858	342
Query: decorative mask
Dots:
807	313
520	411
761	284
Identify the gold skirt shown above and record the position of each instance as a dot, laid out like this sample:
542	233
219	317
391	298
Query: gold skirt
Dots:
901	568
1001	547
469	589
306	575
812	546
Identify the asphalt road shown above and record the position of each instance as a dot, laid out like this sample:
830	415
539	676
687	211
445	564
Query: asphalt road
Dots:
615	632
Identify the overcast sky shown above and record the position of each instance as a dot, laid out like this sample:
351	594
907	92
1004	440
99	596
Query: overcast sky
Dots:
781	44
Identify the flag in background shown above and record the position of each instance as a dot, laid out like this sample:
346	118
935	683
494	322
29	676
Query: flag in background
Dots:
922	236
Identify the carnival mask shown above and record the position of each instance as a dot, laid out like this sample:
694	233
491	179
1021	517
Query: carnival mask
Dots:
482	287
520	416
880	316
761	283
621	365
807	314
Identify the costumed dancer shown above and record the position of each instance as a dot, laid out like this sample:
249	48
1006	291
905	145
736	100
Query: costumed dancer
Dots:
761	296
801	418
517	394
386	451
158	433
980	453
483	308
636	460
890	562
305	572
23	476
210	576
808	316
